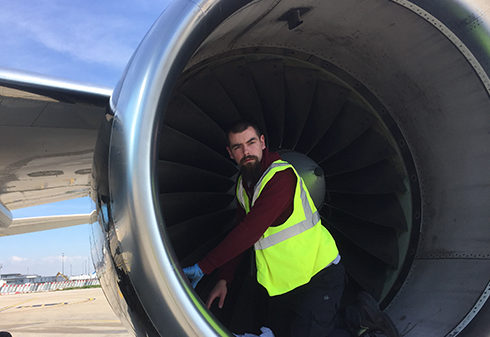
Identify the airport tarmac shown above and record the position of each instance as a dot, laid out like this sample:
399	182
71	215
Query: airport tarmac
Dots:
79	312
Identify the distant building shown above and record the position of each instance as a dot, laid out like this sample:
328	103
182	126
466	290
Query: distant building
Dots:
22	279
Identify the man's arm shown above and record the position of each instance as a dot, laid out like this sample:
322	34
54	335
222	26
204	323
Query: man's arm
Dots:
274	203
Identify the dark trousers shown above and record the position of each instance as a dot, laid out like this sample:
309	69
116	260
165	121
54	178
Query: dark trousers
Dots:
307	311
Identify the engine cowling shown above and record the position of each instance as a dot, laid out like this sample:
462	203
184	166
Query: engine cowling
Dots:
381	103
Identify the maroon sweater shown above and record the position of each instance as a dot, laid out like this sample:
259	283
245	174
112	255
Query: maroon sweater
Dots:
273	207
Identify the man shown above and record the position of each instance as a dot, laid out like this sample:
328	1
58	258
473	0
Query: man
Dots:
296	258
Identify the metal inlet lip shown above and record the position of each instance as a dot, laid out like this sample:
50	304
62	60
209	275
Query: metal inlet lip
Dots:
145	89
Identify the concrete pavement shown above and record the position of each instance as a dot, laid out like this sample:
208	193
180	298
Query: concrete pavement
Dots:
80	312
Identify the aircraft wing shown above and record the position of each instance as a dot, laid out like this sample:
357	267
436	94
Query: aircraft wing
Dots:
48	130
42	223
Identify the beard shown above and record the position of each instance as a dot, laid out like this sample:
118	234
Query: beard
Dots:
250	171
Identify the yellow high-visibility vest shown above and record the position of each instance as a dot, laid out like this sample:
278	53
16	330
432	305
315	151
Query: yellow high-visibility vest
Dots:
289	255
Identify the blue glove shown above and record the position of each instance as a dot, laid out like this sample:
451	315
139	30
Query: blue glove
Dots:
194	274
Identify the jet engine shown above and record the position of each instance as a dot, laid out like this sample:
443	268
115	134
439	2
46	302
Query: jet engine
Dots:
383	106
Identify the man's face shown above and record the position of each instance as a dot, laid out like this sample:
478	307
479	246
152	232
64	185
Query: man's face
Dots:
246	147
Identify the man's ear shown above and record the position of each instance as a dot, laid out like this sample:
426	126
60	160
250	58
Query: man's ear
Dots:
229	152
262	141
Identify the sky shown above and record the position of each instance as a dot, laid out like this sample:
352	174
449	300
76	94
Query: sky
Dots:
83	41
49	252
86	41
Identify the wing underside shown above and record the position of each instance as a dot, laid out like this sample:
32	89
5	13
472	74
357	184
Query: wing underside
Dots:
48	130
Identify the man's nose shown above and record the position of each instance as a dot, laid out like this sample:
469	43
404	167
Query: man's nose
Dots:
246	151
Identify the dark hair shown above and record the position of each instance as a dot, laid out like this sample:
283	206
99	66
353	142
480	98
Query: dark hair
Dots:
240	126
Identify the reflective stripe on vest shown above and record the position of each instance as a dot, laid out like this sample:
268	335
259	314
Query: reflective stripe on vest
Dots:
289	254
310	221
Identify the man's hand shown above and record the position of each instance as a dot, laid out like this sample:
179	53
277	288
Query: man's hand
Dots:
219	291
194	274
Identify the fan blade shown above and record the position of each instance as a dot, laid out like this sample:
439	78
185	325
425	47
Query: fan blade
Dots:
181	110
179	148
269	81
209	227
240	87
380	242
380	178
300	85
208	94
367	150
327	104
175	177
384	210
179	207
349	125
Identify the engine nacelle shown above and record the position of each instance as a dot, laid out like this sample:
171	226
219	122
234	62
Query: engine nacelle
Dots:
388	99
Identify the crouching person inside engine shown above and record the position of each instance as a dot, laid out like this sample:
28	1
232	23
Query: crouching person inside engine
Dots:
297	278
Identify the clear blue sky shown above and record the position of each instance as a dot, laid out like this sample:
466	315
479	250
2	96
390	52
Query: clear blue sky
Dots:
85	41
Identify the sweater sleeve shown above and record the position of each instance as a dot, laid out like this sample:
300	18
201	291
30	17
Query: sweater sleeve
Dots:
275	200
227	271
